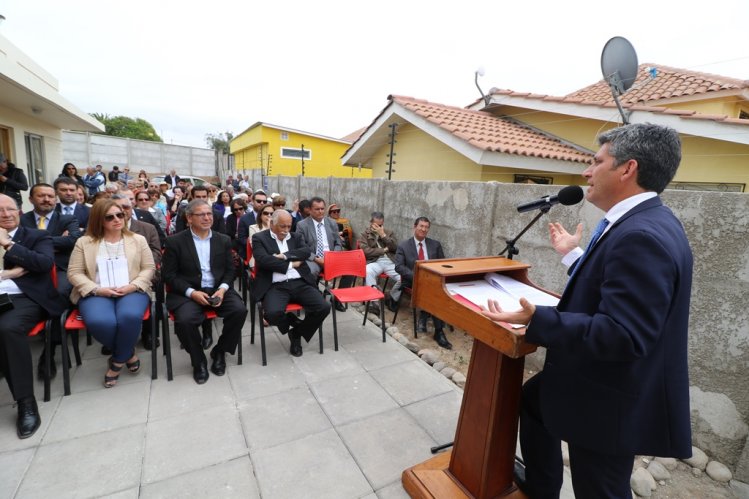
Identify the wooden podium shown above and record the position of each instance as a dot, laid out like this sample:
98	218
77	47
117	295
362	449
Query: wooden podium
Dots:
481	462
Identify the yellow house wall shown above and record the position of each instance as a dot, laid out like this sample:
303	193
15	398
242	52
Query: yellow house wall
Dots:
261	147
419	156
726	106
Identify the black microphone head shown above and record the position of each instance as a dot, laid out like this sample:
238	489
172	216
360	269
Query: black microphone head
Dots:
572	194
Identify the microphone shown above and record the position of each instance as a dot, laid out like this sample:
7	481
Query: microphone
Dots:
572	194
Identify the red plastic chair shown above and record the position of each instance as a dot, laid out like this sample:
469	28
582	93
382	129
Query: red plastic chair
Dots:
340	263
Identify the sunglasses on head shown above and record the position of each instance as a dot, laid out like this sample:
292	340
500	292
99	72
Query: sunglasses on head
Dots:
109	218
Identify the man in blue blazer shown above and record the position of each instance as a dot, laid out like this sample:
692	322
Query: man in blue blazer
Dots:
67	192
615	381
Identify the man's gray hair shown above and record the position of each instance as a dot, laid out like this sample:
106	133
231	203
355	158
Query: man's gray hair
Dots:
376	215
194	204
656	148
277	215
119	196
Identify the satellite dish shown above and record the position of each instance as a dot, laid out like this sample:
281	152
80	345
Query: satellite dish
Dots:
619	63
619	67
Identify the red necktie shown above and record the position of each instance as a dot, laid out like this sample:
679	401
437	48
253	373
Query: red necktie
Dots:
421	251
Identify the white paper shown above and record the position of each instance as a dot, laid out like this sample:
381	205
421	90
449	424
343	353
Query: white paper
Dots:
112	272
519	290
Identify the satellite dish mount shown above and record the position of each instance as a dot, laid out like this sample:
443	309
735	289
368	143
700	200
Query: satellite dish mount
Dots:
619	67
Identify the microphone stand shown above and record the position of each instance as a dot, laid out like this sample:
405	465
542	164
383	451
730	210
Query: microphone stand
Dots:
510	249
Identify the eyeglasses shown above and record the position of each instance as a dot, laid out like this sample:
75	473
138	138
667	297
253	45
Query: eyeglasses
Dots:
261	201
267	213
144	199
237	210
203	215
335	211
109	218
279	204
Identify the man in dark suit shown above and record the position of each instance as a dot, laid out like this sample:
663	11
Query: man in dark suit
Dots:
64	232
615	382
200	192
67	192
26	258
172	179
149	233
198	265
259	200
420	247
283	275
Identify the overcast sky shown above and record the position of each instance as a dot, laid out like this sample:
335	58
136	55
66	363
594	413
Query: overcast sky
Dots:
327	67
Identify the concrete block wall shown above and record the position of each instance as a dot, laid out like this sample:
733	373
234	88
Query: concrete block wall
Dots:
476	219
89	149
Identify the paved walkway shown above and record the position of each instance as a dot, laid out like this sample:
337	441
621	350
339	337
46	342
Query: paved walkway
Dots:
342	424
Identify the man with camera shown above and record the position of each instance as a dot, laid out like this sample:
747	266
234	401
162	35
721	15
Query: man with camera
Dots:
199	267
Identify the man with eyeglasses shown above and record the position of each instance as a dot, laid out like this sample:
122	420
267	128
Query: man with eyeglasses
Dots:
259	200
26	261
199	267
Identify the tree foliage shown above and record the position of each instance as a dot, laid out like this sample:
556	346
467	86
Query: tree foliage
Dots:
132	128
219	141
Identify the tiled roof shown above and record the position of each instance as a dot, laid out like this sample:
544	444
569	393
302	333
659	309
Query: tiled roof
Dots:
354	136
491	133
669	83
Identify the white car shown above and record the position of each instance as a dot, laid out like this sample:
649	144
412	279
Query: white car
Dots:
187	178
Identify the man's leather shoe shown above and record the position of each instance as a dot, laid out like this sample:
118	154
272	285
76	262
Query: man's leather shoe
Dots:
518	476
146	340
28	417
218	366
295	348
340	306
200	373
391	304
41	368
207	341
441	339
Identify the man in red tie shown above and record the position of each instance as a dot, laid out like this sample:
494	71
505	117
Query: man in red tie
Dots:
420	247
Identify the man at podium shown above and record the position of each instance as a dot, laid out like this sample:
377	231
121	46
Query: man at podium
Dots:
615	382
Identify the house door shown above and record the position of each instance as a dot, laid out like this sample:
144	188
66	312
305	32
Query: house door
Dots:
35	167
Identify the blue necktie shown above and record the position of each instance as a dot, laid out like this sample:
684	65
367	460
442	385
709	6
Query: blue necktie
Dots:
320	247
593	240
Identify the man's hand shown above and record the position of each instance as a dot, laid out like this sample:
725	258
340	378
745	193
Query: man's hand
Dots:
13	273
296	264
280	256
379	229
219	293
200	298
562	241
320	261
522	316
3	178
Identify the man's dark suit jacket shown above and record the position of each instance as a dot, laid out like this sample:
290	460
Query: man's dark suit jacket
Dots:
34	252
181	266
146	217
615	379
181	223
168	180
58	224
406	256
80	212
243	230
263	249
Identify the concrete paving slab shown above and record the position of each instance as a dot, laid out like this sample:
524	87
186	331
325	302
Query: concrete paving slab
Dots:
227	480
330	364
352	398
131	493
12	467
103	463
9	440
393	491
438	415
252	380
386	444
280	418
193	441
183	395
375	354
409	382
312	467
99	411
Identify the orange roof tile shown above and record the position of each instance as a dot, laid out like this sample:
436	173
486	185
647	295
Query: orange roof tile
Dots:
669	83
492	133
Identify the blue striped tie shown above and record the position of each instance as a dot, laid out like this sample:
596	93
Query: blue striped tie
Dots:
593	240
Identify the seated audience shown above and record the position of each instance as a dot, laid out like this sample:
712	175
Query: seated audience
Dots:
112	304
